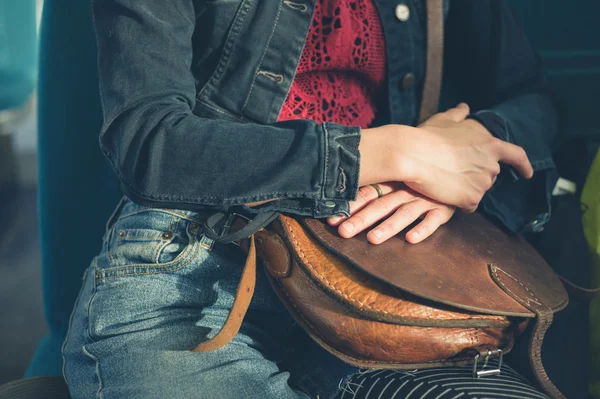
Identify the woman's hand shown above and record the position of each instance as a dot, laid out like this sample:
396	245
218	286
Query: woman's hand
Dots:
448	158
398	208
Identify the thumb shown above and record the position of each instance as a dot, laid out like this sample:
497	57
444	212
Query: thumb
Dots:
458	113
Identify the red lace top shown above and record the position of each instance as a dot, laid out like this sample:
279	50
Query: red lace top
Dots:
342	67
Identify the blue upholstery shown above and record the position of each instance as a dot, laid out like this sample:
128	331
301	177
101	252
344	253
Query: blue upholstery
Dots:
17	52
77	190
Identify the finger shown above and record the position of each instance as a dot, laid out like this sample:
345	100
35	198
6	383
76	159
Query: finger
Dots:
432	221
366	195
458	113
336	220
398	221
373	212
515	156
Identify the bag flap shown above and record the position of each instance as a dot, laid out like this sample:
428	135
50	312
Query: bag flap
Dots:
453	265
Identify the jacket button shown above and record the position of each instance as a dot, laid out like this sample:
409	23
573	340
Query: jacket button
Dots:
330	204
402	12
408	81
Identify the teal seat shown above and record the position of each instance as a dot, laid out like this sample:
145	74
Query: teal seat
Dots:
77	190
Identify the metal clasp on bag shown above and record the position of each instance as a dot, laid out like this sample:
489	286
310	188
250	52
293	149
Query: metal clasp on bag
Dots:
208	244
483	372
229	223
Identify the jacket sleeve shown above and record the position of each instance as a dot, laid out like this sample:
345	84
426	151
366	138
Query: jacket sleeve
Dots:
165	155
497	72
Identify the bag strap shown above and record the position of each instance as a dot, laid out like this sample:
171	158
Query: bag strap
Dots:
577	292
544	316
242	300
432	85
429	106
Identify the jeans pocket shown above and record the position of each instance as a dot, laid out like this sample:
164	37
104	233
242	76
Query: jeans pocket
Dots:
148	240
143	246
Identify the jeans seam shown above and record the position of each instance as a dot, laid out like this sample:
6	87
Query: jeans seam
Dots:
173	212
155	269
87	353
68	335
88	310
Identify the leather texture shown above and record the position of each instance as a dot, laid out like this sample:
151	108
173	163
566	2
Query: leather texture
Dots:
451	267
367	296
365	322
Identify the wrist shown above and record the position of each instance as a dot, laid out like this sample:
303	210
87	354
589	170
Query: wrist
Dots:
382	152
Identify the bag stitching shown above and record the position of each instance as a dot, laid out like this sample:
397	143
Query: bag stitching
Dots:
526	299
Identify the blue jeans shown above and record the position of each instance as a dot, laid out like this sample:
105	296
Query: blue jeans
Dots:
157	290
154	292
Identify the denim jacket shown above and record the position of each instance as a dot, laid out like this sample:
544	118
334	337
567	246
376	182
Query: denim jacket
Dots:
191	92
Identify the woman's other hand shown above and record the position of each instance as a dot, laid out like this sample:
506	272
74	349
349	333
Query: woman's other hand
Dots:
448	158
398	207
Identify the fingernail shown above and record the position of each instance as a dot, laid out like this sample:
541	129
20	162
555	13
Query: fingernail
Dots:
349	227
377	234
335	219
414	235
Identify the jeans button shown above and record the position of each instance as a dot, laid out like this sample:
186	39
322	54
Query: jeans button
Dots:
330	204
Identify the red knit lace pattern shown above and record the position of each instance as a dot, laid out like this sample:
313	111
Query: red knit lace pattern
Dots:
342	68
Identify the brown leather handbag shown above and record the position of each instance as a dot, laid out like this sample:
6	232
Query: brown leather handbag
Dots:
459	297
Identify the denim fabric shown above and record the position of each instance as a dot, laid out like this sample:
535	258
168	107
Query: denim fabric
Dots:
154	293
192	89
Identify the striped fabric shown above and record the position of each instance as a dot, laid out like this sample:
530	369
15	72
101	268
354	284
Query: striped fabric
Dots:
439	383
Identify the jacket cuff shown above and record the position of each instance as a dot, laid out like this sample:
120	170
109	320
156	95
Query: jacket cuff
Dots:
522	206
498	126
303	207
539	156
342	160
493	122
